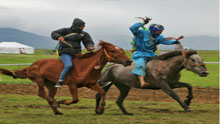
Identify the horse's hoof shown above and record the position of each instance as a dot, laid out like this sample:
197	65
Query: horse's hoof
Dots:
188	110
98	111
58	113
128	113
56	105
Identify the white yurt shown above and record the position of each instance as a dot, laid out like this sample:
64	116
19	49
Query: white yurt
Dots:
15	48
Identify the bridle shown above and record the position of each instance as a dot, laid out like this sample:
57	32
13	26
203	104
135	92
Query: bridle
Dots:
184	56
109	58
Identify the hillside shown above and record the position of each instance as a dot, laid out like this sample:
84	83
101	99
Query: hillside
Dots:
30	39
202	42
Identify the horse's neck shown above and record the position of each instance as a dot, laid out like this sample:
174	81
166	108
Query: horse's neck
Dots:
101	59
97	59
176	64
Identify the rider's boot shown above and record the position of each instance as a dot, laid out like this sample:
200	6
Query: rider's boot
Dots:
59	83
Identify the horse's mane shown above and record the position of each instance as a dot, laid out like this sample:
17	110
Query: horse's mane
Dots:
102	44
86	55
175	53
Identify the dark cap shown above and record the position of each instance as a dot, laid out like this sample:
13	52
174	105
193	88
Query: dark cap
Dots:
78	22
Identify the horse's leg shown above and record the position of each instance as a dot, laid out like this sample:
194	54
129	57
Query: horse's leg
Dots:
41	92
189	87
98	95
96	87
166	88
73	92
52	92
124	90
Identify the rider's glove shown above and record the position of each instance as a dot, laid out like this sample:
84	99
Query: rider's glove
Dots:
146	20
176	42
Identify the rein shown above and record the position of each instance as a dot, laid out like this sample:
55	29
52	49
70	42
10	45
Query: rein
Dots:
181	50
180	46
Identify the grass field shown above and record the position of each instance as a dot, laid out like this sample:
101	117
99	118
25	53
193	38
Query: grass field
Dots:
24	109
209	56
20	109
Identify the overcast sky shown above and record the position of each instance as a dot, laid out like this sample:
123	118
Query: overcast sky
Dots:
114	17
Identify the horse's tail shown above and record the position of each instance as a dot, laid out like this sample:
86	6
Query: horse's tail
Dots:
16	74
104	84
106	77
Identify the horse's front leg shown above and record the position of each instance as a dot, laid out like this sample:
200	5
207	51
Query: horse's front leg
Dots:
166	88
96	87
73	92
189	87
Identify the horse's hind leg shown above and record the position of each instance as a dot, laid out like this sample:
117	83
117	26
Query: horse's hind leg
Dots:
124	90
98	95
96	87
41	92
73	92
189	87
52	92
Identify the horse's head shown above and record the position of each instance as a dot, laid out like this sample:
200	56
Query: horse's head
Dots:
115	54
194	63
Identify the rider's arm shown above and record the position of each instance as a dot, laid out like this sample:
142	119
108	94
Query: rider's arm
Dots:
162	40
88	42
58	33
135	29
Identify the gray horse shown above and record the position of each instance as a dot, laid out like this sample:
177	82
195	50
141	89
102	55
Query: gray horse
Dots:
163	72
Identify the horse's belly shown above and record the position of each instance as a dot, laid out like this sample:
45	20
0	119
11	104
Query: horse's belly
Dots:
51	71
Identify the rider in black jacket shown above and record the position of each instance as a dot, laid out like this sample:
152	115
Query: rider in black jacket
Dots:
70	39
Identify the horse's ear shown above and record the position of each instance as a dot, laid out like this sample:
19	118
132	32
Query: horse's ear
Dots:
190	52
101	41
103	44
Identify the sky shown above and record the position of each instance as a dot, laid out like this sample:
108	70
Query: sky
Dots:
111	17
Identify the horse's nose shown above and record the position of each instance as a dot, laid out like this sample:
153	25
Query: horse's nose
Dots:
128	62
205	73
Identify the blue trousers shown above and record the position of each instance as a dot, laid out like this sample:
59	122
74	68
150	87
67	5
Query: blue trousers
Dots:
140	67
67	61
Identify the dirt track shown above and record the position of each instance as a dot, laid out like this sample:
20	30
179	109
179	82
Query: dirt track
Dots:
201	95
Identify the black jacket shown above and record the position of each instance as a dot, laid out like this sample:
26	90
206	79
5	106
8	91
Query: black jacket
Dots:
74	40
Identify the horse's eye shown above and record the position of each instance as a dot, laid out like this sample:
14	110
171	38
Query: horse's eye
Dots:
193	60
113	51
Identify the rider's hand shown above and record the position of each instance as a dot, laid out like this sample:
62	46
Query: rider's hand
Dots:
90	48
61	38
146	20
177	42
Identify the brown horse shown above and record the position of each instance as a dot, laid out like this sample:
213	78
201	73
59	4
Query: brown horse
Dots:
86	72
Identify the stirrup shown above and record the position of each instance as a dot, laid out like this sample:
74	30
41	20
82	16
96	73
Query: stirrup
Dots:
59	84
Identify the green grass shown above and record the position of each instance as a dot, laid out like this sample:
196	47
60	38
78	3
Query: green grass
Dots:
209	56
22	109
26	58
212	80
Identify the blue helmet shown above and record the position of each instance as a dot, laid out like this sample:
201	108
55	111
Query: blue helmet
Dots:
156	27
